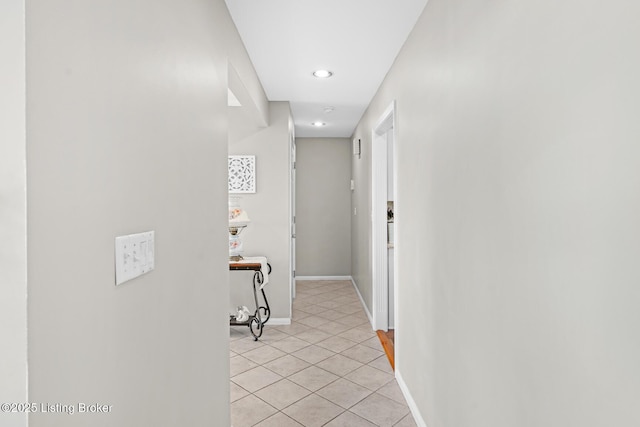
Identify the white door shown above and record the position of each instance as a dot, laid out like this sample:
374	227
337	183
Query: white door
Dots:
390	238
392	291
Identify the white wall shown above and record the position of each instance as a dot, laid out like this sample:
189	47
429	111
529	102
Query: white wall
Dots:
361	245
517	212
323	203
127	132
244	81
13	214
268	208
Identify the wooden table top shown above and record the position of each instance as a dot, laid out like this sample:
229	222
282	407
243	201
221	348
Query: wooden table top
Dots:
256	266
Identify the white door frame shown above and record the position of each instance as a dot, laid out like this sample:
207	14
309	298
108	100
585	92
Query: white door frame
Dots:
380	256
292	207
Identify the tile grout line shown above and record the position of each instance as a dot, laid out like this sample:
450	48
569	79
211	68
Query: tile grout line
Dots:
332	331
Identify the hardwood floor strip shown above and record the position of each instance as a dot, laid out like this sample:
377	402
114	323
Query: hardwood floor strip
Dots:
387	345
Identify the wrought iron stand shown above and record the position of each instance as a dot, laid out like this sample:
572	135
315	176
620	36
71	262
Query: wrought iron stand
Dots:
263	312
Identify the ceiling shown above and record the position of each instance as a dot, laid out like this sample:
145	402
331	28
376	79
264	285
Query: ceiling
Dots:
358	40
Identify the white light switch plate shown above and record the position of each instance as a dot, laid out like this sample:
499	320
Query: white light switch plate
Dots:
135	255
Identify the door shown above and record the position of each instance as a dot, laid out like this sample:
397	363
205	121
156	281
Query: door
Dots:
390	226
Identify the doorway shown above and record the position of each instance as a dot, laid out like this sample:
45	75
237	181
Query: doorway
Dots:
384	209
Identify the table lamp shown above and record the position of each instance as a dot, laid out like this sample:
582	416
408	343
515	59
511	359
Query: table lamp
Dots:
238	221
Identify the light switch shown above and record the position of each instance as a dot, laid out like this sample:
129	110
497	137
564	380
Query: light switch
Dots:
134	255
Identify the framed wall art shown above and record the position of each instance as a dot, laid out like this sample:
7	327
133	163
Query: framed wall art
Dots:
242	174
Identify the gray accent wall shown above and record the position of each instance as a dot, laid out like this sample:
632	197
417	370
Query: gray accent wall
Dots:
13	212
323	205
361	246
127	132
517	232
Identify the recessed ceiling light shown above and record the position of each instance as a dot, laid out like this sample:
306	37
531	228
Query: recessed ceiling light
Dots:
322	74
318	124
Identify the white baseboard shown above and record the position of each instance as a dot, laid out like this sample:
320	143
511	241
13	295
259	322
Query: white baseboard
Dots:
417	416
323	277
279	321
366	310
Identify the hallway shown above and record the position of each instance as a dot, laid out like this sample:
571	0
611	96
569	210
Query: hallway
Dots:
325	369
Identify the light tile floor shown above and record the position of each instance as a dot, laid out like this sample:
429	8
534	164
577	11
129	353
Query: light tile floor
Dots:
325	369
